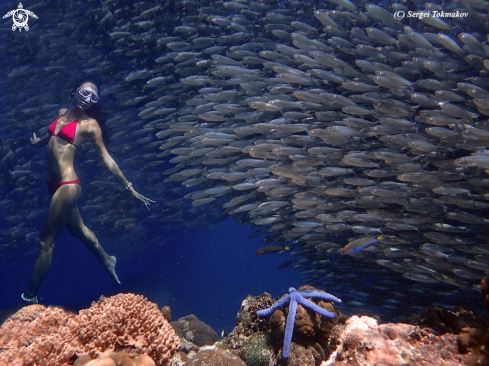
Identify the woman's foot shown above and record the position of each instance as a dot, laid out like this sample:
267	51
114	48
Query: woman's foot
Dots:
110	267
29	299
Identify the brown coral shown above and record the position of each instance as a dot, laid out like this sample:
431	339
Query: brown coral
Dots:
442	320
311	330
247	322
52	336
166	311
474	343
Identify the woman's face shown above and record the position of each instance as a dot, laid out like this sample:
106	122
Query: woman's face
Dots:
81	102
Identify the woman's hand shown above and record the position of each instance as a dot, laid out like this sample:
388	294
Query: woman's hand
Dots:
34	139
143	199
39	142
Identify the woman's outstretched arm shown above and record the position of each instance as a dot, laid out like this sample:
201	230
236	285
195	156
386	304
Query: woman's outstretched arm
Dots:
110	164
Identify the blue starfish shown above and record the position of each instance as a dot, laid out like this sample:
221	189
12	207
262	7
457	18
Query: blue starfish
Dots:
298	297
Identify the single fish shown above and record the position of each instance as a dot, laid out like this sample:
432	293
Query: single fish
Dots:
360	244
271	249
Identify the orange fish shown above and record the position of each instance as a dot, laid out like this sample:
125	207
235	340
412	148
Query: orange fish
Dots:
359	244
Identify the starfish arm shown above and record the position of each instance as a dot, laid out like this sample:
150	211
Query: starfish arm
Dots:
289	327
280	303
319	295
309	304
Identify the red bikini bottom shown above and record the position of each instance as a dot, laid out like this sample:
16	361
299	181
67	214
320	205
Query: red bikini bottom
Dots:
53	187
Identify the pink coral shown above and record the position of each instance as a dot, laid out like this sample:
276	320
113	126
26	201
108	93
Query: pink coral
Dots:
129	322
52	336
362	342
36	331
111	358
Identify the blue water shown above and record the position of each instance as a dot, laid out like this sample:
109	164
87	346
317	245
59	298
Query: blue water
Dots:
203	272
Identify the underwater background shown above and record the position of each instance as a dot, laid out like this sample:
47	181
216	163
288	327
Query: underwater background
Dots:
200	258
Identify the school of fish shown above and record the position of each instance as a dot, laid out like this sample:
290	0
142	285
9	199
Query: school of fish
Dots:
320	123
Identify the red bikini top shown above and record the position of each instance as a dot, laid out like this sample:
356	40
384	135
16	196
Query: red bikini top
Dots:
67	133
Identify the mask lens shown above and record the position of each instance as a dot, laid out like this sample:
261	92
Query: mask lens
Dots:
88	92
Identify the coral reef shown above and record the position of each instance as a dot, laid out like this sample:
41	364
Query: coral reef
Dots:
247	322
36	335
214	357
358	341
257	350
129	322
362	342
309	344
52	336
195	331
166	311
442	320
473	343
194	336
111	358
294	300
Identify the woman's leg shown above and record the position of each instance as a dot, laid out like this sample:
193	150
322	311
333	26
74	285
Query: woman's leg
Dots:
62	203
78	229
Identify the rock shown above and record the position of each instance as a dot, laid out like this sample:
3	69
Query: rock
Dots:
473	343
442	320
248	323
195	330
166	311
215	357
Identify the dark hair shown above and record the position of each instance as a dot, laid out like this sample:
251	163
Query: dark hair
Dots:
96	111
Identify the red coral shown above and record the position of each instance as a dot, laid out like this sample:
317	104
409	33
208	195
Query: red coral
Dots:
52	336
